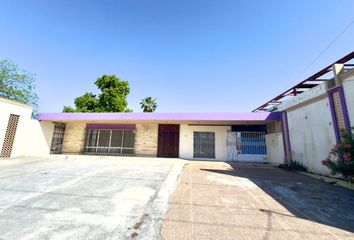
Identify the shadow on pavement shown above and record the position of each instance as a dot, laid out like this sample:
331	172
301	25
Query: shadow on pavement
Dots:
301	195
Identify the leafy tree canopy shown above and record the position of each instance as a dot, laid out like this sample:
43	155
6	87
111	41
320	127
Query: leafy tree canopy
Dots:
148	104
113	97
17	84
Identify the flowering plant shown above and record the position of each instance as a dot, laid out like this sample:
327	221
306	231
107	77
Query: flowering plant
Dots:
341	158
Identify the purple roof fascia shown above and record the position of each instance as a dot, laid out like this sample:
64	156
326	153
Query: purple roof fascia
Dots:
109	126
231	116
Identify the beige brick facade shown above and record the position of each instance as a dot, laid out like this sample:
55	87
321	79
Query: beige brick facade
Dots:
74	138
146	139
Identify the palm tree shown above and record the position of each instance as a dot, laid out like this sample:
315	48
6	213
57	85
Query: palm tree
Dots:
148	104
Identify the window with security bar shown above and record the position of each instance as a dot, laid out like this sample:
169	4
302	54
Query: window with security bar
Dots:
109	141
57	140
204	145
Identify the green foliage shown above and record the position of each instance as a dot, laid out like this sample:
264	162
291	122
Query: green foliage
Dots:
17	84
113	97
293	166
87	103
68	109
148	104
341	158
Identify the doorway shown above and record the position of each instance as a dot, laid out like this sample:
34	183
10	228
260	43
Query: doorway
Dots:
58	138
168	140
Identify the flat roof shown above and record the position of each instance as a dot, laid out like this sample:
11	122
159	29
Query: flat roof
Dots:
15	102
157	116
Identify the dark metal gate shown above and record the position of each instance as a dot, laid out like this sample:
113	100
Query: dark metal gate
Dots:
58	137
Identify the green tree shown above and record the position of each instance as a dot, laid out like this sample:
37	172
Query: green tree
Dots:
17	84
87	103
113	97
148	104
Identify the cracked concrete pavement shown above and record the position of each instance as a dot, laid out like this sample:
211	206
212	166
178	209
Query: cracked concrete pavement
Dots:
85	197
93	197
216	200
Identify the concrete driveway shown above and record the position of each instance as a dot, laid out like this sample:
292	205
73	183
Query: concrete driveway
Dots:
248	201
85	197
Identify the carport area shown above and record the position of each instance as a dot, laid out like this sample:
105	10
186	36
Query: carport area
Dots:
97	197
256	201
85	197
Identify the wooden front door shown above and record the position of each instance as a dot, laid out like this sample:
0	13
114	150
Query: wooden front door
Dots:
168	140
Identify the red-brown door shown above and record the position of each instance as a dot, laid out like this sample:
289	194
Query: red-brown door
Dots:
168	140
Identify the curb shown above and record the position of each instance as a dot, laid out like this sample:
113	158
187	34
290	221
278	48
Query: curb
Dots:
336	181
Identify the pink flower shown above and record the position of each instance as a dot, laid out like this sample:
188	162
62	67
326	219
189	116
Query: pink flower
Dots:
337	146
348	146
347	157
325	162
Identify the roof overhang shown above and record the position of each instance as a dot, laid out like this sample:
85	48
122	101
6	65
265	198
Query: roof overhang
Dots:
226	118
303	86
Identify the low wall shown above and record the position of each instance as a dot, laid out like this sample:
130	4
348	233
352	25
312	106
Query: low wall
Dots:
275	148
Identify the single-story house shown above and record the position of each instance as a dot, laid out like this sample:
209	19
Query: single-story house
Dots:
217	136
301	124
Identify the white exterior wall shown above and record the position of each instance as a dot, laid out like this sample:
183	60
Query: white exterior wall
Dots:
10	107
311	134
275	148
33	138
348	87
186	140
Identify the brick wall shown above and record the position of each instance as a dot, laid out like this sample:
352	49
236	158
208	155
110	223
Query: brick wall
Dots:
146	139
74	138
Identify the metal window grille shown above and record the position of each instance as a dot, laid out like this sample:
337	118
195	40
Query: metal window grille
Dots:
57	140
109	142
251	143
204	145
9	136
246	146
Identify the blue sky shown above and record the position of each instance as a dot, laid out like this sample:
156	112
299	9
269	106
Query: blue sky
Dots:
193	56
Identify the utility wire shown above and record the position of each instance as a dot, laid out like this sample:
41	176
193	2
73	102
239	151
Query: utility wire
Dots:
322	52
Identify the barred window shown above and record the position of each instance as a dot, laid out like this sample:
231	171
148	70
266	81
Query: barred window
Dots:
109	142
58	137
204	145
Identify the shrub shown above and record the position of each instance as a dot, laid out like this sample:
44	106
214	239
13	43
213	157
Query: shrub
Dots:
293	166
340	160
